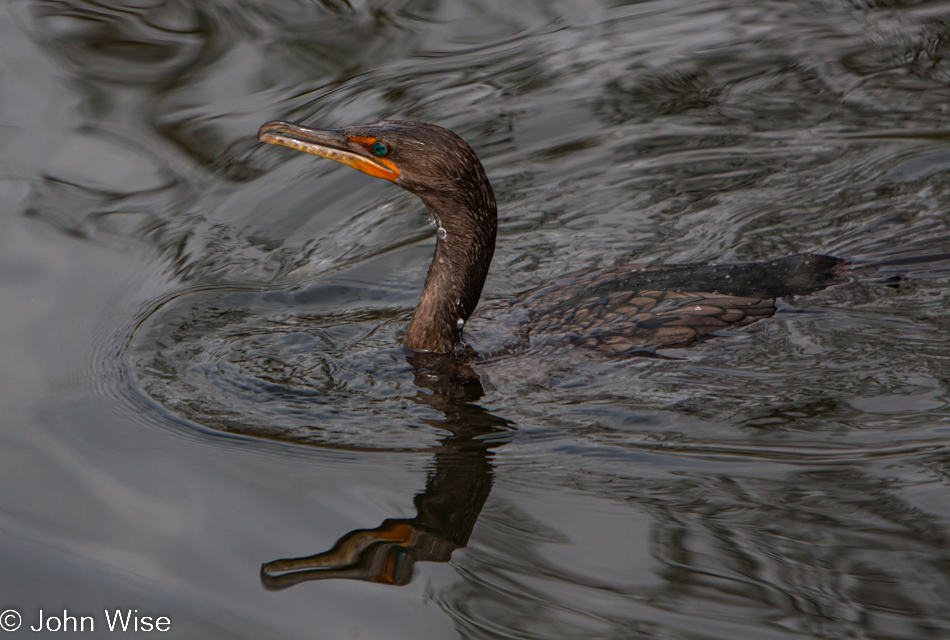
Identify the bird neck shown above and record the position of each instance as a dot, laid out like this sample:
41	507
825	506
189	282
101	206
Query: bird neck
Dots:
465	242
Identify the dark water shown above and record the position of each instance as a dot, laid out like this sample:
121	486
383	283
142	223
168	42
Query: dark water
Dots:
201	371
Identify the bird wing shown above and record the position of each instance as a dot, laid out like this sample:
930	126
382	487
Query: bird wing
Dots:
625	322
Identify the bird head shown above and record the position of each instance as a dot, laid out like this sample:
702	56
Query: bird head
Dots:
422	158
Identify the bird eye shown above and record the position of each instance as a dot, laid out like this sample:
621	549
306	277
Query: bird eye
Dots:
379	149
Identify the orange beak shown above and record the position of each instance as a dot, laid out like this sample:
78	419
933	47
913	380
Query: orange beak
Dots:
327	143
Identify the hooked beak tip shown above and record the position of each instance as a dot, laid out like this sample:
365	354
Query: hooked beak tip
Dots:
268	129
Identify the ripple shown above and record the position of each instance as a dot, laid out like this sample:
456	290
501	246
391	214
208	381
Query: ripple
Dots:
272	365
136	43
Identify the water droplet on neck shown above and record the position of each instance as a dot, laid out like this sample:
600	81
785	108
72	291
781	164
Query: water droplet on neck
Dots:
442	233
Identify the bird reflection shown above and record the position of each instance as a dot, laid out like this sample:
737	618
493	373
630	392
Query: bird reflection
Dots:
456	490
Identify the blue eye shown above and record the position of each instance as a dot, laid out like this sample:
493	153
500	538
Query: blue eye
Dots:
379	149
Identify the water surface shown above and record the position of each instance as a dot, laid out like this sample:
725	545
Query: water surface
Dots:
200	368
